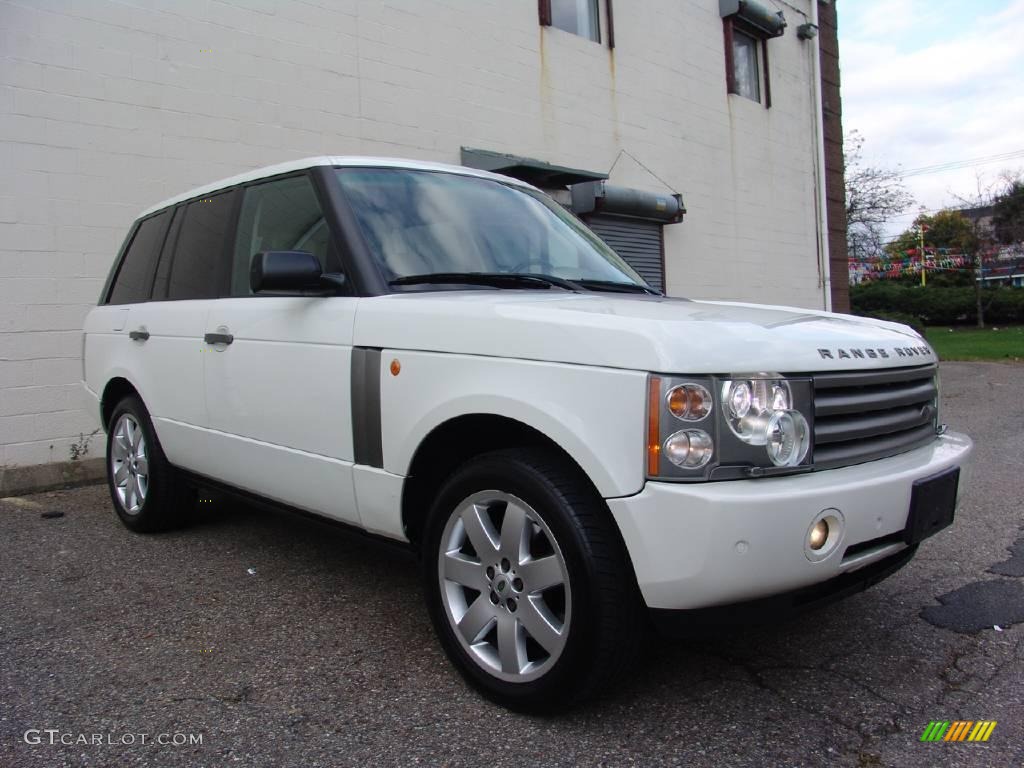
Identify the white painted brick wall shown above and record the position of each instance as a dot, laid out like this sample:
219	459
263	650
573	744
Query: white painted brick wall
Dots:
108	106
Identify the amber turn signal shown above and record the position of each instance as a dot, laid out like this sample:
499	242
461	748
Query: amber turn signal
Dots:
653	426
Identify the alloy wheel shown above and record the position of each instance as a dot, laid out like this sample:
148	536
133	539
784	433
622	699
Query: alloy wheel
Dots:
129	464
505	586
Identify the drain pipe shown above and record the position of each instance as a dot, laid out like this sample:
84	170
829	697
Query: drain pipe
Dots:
824	267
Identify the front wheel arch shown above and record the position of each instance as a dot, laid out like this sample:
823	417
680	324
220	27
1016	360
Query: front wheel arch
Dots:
454	442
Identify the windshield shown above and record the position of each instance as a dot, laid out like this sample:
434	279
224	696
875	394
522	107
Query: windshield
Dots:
427	222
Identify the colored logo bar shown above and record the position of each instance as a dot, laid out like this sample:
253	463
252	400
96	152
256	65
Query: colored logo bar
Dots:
958	730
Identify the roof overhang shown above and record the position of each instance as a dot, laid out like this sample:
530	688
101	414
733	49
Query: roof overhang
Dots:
536	172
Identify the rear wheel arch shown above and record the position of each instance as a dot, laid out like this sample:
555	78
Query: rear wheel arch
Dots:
114	392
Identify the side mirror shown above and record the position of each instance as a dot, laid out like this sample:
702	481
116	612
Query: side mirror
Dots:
289	271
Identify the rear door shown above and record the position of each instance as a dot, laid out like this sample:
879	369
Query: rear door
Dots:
278	375
191	273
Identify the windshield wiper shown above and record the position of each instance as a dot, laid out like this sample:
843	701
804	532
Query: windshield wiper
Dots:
617	287
493	279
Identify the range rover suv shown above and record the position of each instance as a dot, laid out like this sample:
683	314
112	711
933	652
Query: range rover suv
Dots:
448	358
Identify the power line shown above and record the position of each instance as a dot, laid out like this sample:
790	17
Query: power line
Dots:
952	165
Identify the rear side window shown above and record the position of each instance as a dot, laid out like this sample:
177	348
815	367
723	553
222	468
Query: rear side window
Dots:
135	277
199	253
282	215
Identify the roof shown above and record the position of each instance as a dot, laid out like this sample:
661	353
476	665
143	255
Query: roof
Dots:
352	161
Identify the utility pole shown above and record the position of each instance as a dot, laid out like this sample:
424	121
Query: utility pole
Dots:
920	231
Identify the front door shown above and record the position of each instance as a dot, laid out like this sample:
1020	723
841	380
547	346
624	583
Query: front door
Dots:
278	366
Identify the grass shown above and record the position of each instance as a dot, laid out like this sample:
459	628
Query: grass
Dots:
999	343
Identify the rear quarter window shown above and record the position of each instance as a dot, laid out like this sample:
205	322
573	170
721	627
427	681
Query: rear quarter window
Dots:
134	280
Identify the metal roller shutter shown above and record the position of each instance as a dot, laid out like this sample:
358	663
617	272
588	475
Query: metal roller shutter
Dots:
638	242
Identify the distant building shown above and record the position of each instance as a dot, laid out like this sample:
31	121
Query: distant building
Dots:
628	112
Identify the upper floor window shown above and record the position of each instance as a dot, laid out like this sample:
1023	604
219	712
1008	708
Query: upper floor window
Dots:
577	16
748	27
745	72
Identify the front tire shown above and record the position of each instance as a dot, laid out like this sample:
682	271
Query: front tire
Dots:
528	582
143	486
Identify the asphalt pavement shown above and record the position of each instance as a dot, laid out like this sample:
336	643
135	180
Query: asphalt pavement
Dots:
275	640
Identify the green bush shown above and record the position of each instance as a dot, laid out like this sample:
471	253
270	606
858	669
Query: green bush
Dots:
937	305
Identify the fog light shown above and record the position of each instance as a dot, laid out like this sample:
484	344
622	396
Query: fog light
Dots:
824	535
818	536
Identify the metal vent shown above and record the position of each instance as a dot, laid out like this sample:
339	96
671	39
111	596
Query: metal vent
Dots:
637	242
865	415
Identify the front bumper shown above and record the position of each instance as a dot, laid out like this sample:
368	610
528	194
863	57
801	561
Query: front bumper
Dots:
709	544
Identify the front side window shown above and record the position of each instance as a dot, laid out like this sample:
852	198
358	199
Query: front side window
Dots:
196	269
135	275
577	16
746	74
282	215
425	222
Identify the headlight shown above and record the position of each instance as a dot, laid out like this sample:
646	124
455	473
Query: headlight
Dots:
787	438
750	405
691	448
712	428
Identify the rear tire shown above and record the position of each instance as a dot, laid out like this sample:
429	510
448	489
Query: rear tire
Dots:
528	583
143	485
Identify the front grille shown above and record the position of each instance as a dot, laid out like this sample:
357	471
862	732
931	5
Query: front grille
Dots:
865	415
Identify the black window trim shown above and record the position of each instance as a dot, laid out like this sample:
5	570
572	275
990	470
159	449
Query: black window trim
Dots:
358	261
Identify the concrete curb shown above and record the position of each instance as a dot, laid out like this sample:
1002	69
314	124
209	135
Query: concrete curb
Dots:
44	477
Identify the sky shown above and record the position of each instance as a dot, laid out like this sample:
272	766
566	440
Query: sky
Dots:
927	82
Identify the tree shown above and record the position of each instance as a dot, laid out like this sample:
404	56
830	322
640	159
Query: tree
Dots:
874	196
996	217
1008	213
945	229
972	237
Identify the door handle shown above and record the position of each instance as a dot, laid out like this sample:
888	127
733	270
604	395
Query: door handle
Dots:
139	335
218	338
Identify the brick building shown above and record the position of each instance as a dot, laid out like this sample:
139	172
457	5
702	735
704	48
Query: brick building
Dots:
617	107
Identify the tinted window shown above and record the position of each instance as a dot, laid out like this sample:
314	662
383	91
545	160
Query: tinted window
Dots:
135	277
280	216
199	252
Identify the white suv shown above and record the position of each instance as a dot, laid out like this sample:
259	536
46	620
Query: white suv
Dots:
448	358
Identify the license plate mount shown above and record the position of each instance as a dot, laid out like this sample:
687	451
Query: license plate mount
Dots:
932	505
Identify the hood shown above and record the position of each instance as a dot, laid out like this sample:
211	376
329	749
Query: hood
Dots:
645	333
